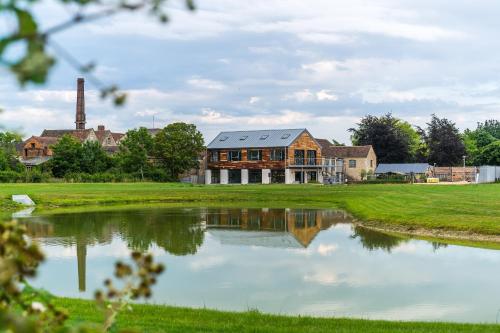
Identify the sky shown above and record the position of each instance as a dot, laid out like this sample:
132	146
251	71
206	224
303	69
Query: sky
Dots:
262	64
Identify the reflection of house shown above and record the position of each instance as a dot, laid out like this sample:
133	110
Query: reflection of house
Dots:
268	227
266	156
356	159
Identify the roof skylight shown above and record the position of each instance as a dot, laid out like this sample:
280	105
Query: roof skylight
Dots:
264	136
244	137
223	138
285	136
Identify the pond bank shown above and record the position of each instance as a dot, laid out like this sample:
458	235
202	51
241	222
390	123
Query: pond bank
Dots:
469	212
176	319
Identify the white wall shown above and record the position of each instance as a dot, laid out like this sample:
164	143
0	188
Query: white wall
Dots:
224	176
208	177
266	176
244	176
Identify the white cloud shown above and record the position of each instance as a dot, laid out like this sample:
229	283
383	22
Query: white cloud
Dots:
201	83
326	95
254	99
146	113
327	249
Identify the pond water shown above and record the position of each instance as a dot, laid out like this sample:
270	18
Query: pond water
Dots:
284	261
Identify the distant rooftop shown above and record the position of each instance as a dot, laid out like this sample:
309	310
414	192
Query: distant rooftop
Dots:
402	168
256	139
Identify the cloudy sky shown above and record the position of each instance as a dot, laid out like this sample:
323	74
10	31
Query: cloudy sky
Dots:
275	64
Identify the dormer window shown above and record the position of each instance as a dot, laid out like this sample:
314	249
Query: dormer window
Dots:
243	138
223	138
285	136
264	136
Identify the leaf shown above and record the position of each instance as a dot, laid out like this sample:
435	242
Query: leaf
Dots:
35	65
26	23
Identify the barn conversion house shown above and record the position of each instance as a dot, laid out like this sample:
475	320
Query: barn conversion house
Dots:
265	156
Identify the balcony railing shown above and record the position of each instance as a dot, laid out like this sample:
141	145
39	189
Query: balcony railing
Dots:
316	162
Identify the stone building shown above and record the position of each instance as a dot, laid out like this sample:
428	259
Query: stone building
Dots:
356	160
36	150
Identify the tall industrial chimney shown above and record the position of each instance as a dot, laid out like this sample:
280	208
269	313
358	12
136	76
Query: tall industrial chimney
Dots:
80	104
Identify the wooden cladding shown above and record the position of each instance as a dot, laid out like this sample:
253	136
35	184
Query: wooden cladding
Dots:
264	158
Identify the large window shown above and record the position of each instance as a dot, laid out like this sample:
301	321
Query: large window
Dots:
215	177
312	176
311	157
214	156
277	154
254	155
234	176
299	157
234	155
277	176
352	164
255	176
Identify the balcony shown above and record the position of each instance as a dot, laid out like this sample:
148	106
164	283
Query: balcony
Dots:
329	163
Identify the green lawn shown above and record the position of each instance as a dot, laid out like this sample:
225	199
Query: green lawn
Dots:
149	318
474	208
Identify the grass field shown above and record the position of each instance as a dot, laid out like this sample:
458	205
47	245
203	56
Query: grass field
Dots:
470	208
173	319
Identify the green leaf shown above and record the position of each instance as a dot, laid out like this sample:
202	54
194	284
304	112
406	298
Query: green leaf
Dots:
26	23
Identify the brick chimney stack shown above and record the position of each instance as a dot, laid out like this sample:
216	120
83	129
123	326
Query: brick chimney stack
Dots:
80	105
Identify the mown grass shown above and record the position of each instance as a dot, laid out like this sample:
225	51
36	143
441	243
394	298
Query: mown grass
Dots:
473	208
154	318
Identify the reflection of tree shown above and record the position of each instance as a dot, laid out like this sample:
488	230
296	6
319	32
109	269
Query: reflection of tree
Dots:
437	245
374	240
177	231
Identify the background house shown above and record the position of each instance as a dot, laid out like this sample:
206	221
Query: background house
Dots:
357	160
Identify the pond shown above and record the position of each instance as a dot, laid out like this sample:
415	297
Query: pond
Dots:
283	261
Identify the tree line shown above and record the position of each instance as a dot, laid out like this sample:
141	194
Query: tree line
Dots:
172	151
440	141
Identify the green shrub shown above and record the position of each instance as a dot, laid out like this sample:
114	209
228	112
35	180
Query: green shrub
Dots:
9	176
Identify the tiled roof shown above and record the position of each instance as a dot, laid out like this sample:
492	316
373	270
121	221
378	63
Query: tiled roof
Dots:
402	168
255	139
328	150
117	136
79	134
46	140
101	135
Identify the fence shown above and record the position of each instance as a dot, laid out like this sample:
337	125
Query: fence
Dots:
488	174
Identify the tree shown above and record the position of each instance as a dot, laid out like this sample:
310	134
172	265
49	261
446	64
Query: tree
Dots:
490	154
94	159
445	144
32	62
67	154
393	140
491	126
135	149
8	153
178	147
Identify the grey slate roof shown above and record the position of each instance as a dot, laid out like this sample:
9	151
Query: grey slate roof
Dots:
402	168
255	139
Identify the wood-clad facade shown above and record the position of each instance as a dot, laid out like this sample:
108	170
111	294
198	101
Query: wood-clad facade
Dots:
282	159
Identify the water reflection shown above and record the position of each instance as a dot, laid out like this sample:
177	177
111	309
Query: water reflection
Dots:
293	261
181	232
